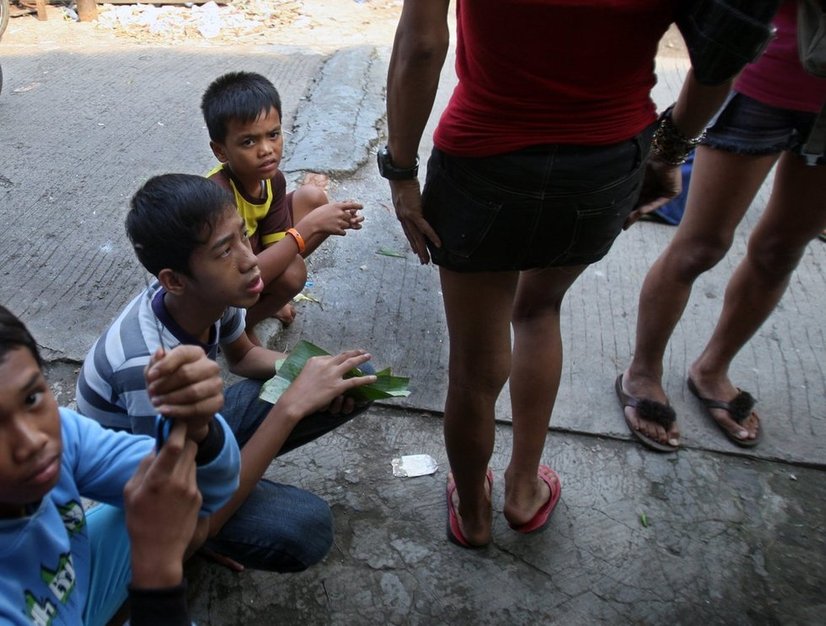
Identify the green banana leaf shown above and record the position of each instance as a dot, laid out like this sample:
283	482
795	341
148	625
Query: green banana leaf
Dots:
387	385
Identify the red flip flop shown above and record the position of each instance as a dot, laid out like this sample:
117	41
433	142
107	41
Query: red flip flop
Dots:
540	521
454	529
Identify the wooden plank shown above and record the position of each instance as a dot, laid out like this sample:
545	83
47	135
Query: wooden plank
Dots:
41	10
87	10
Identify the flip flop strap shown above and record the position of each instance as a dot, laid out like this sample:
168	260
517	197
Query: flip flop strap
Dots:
739	408
653	411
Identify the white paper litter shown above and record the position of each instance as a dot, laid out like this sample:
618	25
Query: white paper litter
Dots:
414	465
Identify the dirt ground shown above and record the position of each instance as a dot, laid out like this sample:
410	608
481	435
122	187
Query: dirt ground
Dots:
318	24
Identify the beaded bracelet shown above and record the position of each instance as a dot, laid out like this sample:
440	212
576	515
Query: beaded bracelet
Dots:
669	145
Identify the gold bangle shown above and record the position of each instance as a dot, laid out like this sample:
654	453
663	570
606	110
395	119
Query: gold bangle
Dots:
299	240
668	144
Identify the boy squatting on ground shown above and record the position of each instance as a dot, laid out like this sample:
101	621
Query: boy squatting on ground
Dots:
187	233
64	565
242	111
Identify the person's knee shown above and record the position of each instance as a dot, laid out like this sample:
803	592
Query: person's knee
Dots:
773	257
691	258
310	196
527	316
279	529
482	375
310	540
287	284
321	532
294	277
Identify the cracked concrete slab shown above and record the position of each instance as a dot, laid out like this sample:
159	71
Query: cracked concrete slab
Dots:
338	124
725	540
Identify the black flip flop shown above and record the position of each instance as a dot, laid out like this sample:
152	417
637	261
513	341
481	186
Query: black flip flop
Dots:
649	410
739	409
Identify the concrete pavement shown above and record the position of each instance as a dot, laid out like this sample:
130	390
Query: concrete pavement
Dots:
712	534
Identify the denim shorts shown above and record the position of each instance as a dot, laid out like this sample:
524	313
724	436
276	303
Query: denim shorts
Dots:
543	206
747	126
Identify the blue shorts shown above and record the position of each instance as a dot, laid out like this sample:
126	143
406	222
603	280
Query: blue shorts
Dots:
543	206
111	566
747	126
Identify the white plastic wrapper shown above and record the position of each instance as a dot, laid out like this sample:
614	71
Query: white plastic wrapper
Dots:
414	465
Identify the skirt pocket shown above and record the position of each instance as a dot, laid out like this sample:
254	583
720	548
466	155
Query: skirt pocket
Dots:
461	220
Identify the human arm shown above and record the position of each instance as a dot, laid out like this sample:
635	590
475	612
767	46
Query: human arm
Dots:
246	359
321	381
185	385
694	108
333	218
419	51
161	503
180	382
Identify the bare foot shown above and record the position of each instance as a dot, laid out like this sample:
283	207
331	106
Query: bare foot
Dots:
713	388
524	498
286	314
647	410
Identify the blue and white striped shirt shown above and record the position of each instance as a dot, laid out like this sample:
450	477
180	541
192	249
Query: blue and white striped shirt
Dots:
111	387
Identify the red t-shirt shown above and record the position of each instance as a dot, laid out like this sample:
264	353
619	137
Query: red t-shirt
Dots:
535	72
777	78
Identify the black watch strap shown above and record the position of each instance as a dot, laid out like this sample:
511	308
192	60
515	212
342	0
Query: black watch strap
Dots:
389	171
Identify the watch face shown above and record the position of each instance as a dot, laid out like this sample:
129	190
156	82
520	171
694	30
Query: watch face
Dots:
390	171
383	158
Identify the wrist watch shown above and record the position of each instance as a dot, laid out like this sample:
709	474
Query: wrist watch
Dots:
391	172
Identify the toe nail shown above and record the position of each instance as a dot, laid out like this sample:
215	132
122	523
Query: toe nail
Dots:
673	442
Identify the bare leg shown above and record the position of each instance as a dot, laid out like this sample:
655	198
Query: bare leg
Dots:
305	199
277	294
723	186
534	381
795	214
276	299
479	366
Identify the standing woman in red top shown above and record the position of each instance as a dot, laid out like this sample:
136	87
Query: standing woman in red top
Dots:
540	158
765	123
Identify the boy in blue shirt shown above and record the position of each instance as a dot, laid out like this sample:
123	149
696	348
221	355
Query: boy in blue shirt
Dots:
62	564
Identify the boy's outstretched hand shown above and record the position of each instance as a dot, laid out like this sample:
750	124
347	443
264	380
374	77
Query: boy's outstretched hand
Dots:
161	502
321	384
184	384
335	218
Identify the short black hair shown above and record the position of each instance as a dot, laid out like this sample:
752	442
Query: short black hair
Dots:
170	216
15	335
238	96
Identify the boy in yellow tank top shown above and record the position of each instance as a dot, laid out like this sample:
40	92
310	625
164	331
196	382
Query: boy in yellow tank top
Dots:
242	111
